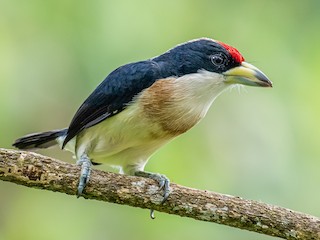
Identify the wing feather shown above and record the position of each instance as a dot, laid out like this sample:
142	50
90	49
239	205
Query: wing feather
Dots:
113	95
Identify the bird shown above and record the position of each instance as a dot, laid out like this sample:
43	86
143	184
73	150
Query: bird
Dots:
141	106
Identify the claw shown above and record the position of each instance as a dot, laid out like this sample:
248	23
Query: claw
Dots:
166	188
152	214
164	183
85	164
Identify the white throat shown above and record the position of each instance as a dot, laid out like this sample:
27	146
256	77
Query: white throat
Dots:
199	90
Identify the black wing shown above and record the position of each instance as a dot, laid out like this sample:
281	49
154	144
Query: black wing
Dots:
113	94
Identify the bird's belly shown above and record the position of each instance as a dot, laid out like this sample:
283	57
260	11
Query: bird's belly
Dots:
122	140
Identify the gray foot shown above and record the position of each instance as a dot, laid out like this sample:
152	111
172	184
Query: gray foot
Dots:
85	164
164	183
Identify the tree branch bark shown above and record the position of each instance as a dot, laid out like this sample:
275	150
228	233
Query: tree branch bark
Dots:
37	171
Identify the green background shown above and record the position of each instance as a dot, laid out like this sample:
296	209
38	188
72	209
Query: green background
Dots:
257	143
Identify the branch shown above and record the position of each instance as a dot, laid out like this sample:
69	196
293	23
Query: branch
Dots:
37	171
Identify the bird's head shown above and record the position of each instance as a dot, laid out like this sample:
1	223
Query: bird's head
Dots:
214	57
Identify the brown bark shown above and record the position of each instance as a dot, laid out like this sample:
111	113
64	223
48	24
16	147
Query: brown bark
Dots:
34	170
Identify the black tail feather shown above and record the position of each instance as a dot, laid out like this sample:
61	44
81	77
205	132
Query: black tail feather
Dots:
39	140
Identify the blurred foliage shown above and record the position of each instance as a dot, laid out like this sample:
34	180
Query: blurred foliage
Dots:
260	144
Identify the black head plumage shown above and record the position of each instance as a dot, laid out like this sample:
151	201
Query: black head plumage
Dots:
204	53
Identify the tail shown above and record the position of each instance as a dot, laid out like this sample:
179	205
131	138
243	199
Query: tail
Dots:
39	140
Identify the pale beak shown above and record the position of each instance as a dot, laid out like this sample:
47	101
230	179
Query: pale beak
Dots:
247	74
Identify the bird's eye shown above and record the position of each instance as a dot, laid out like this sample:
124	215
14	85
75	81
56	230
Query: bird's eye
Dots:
218	59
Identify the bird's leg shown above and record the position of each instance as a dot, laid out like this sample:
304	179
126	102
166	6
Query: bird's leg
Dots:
164	183
85	164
